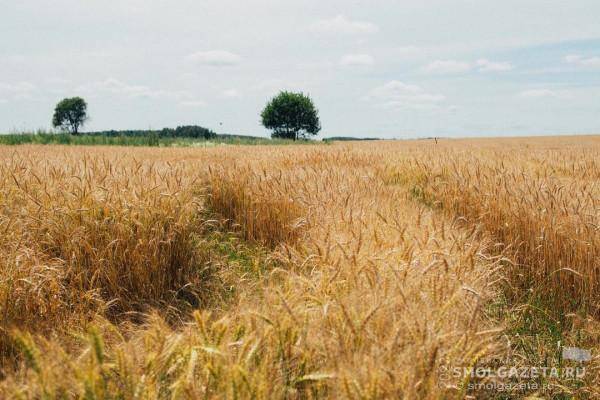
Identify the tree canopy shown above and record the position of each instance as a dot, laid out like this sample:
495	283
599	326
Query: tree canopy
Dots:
291	116
70	114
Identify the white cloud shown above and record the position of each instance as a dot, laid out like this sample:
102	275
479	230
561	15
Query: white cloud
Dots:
231	94
116	87
457	67
193	103
355	60
591	62
57	81
19	90
215	58
315	65
396	94
538	93
342	25
485	65
447	67
407	51
273	86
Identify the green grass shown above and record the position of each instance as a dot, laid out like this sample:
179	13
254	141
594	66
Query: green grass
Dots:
148	140
537	339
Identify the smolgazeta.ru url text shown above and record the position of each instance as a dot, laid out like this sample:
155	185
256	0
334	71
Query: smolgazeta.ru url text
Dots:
515	372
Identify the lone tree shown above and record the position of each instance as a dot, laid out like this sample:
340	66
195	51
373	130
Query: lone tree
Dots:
70	114
291	116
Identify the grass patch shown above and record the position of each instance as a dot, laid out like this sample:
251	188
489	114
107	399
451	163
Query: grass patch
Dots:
534	337
242	266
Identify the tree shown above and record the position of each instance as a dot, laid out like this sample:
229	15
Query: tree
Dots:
70	114
291	116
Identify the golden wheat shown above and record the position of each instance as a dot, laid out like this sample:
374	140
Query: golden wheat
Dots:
345	271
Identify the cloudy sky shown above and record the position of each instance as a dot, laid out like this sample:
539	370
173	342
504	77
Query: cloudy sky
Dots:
403	68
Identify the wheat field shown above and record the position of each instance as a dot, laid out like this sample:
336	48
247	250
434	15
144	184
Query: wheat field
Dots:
350	270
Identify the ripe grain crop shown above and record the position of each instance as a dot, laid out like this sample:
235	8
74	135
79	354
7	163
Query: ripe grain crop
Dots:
356	270
543	208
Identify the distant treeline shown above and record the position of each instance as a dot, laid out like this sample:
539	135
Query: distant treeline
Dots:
138	138
188	131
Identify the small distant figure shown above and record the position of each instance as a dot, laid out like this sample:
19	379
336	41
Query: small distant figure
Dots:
435	138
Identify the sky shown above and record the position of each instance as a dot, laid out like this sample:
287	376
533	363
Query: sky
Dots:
378	68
